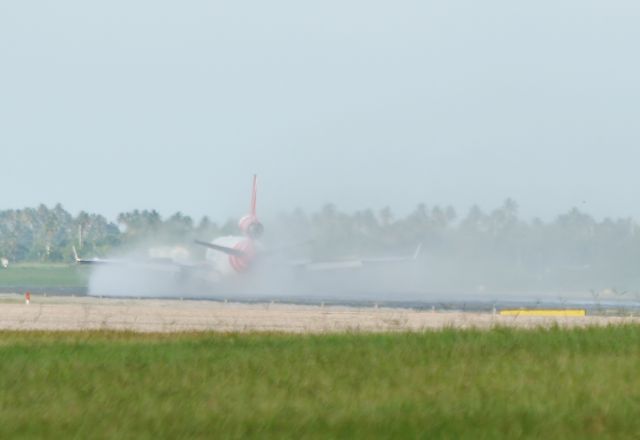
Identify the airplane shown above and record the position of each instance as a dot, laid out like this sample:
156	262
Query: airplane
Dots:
237	256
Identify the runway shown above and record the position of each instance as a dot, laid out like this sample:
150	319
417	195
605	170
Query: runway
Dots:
175	315
605	302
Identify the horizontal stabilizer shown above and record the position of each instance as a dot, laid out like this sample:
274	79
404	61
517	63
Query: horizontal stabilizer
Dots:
224	249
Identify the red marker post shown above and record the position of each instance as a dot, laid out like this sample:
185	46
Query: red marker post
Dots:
27	297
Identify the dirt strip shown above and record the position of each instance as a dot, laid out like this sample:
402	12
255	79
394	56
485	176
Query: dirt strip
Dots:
150	315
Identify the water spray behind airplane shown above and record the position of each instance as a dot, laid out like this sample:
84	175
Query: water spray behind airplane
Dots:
228	258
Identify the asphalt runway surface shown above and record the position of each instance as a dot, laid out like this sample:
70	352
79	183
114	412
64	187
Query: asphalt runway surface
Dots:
176	315
606	302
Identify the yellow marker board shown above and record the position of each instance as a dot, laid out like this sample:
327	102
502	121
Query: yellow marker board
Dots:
543	312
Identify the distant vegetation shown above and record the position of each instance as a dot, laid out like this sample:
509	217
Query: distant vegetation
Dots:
501	383
47	234
494	248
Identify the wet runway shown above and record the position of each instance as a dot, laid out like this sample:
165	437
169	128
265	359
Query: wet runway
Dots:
444	301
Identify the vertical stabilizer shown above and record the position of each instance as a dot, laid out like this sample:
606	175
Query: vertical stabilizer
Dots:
254	195
249	224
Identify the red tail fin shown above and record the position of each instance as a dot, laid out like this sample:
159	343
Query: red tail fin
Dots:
254	195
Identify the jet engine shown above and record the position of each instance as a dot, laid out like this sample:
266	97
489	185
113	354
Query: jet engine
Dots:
251	227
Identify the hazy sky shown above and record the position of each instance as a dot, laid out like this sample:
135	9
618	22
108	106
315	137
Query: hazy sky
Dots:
110	106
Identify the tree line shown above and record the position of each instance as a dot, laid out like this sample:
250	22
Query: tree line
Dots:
572	248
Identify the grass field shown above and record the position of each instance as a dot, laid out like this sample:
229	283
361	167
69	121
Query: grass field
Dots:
451	384
44	275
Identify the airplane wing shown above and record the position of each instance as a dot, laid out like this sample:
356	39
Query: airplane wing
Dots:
88	261
224	249
351	264
163	264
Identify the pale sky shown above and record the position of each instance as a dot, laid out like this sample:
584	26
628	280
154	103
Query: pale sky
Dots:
111	106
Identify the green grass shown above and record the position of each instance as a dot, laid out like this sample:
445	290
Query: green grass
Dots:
43	275
451	384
